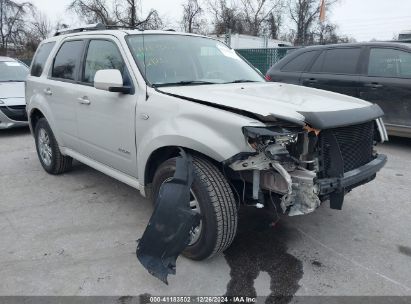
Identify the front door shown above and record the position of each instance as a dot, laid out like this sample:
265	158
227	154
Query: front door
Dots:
388	84
106	120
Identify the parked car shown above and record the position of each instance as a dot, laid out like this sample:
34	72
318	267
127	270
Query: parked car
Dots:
378	72
404	35
13	74
125	102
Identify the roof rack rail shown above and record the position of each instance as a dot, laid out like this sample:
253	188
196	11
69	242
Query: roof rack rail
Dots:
94	27
88	27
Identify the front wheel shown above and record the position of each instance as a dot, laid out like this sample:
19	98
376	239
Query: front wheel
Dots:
212	197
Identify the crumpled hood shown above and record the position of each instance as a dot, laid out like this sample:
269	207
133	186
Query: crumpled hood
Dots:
12	93
283	101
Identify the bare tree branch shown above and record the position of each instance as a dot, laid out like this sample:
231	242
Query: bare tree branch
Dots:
124	13
192	16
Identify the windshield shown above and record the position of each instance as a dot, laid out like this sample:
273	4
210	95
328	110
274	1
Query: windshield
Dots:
188	60
12	71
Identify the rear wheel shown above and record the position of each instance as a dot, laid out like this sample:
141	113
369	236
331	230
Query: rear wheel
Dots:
48	150
212	197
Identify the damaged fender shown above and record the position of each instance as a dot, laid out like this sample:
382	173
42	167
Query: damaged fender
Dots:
168	231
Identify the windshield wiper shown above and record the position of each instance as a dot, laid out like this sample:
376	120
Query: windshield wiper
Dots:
182	83
241	81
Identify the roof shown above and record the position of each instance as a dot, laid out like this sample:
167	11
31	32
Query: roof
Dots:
3	58
118	33
388	43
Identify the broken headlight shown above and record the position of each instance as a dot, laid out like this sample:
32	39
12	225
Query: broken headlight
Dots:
259	138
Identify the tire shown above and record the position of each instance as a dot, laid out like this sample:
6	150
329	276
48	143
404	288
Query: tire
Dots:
217	204
55	163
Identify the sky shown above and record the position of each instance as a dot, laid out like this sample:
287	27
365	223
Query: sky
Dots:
361	19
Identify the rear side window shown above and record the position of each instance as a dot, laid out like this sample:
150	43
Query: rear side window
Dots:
337	61
40	59
102	55
67	61
299	63
389	63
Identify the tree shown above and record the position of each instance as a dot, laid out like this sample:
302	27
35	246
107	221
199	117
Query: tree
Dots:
40	26
304	13
256	13
36	30
192	16
226	17
124	13
12	22
92	11
274	23
326	33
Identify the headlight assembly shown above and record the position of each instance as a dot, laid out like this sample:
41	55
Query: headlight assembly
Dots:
259	137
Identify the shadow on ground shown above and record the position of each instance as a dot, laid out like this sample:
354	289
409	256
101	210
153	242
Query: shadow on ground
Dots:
261	246
15	132
399	141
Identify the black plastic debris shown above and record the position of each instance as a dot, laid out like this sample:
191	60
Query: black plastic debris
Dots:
168	231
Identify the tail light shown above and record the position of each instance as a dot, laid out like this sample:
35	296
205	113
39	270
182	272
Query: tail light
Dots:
268	77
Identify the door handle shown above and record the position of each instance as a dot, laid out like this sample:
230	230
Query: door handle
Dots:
374	85
311	80
84	100
48	92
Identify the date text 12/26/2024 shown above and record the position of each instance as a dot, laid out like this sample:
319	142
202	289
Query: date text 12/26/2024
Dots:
199	299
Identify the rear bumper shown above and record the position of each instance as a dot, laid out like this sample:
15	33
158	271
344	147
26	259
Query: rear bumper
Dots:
6	122
353	178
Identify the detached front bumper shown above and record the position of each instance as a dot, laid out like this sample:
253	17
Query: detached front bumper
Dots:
352	178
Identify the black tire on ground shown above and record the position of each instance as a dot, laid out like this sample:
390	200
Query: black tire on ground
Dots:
59	163
217	204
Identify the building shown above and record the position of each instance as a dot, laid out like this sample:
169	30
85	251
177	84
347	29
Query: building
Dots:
239	41
405	35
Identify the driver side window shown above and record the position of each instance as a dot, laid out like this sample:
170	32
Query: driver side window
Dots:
103	55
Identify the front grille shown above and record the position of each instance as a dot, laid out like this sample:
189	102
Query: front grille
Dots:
355	143
17	113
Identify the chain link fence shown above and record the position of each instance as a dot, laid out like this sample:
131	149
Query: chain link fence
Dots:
263	59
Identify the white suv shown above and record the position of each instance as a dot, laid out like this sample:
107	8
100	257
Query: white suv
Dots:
125	101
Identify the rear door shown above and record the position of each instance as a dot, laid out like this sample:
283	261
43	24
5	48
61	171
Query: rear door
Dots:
387	82
291	71
106	120
336	70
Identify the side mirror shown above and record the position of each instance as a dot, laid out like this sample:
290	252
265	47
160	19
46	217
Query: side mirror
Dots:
111	81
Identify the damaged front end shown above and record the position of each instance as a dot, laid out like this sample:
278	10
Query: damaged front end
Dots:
305	166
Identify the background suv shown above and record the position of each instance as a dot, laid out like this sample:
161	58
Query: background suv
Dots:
376	72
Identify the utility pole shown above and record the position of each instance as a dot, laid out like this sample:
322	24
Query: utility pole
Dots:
228	38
